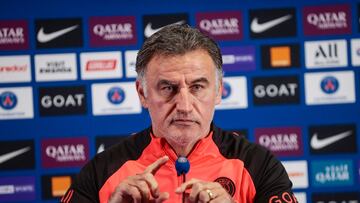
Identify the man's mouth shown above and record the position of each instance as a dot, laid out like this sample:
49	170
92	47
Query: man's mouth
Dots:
184	122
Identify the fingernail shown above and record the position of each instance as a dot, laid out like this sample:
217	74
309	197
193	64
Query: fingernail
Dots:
178	190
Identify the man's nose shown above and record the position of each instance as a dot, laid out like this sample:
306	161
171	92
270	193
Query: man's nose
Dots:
184	101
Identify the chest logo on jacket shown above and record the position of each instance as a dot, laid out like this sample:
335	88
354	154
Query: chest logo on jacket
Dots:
227	184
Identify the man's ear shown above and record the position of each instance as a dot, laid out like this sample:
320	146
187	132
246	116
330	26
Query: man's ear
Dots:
141	94
219	92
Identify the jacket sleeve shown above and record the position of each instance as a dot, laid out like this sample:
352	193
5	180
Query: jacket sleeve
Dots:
271	180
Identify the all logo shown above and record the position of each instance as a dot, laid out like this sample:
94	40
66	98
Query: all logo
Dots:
21	188
326	54
15	69
55	186
154	23
281	141
101	65
335	197
130	63
234	93
280	56
325	20
355	52
276	90
64	152
58	33
112	31
298	173
14	35
55	67
69	100
116	95
220	25
15	155
329	87
115	98
238	59
268	23
104	142
16	103
332	173
331	139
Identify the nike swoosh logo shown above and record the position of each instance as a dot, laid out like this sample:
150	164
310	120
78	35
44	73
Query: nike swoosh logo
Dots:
11	155
316	143
46	37
258	28
101	148
150	31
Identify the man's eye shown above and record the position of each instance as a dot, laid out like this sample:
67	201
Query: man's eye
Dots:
196	88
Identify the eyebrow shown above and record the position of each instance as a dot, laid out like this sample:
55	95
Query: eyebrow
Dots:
167	82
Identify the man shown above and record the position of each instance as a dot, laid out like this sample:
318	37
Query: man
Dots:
180	82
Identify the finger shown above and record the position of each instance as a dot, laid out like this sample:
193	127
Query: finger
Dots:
196	189
143	188
186	185
204	196
162	197
152	168
152	184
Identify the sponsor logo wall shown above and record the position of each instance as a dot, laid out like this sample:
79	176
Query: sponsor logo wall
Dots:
291	84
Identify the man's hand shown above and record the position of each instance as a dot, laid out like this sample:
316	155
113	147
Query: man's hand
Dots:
202	191
141	187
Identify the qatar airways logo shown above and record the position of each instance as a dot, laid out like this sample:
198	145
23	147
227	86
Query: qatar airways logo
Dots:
220	26
13	35
281	141
332	173
66	152
110	31
320	20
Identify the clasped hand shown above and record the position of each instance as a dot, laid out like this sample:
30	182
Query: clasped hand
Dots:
143	187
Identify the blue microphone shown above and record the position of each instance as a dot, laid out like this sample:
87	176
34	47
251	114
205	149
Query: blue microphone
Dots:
182	165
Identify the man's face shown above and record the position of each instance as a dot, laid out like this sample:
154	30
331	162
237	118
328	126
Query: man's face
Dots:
181	94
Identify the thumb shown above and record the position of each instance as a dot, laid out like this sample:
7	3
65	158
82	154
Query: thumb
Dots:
162	197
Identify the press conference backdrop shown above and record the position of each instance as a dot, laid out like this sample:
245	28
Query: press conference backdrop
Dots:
67	89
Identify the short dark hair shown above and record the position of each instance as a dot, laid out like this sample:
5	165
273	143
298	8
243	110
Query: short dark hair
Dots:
176	40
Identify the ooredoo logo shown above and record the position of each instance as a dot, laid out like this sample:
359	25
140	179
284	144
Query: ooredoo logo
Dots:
101	65
62	100
281	141
112	31
64	152
15	69
324	20
276	90
14	35
221	25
